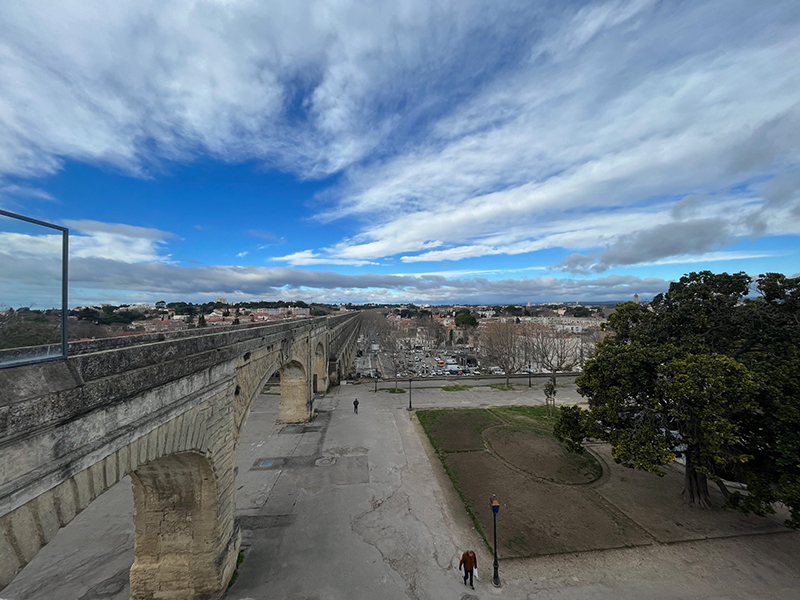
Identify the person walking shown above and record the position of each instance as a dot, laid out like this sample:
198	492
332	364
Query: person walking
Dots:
355	406
470	562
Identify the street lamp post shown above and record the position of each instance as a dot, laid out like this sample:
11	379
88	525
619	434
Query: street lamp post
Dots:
409	393
529	375
495	504
376	384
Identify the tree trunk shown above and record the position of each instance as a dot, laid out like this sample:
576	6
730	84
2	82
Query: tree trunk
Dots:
695	488
551	406
507	379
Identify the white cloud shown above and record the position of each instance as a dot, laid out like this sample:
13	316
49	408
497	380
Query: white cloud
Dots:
242	254
301	85
309	257
116	241
608	130
459	129
99	278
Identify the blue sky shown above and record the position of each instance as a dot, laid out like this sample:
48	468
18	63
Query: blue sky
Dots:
403	151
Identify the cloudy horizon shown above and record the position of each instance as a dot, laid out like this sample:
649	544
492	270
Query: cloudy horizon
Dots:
410	151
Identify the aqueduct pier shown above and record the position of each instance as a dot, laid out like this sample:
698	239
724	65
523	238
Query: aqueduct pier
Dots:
166	409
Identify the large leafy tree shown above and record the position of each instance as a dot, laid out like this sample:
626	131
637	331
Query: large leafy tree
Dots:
709	374
464	318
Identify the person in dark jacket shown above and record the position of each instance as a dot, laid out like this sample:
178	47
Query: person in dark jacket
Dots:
355	406
470	562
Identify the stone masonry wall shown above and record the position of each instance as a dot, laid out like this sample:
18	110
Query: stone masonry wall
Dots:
71	429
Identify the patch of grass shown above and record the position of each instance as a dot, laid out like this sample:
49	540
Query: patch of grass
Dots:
235	576
587	462
519	545
436	419
456	388
395	391
465	500
568	464
502	386
428	418
456	430
532	415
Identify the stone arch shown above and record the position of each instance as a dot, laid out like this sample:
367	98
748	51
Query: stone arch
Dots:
295	394
320	372
181	546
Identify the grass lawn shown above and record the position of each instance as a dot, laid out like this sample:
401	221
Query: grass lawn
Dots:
546	506
456	388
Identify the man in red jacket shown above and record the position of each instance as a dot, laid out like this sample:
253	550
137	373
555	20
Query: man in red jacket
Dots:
470	562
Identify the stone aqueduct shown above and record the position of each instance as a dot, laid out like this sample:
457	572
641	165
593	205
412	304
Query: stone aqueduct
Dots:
167	410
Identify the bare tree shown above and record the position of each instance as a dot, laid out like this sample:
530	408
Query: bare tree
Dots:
503	344
435	334
553	351
589	340
391	346
376	324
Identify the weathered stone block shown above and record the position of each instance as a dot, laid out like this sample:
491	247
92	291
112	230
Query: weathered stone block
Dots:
48	515
187	429
110	464
141	446
83	489
173	434
66	502
10	563
123	462
152	446
98	479
161	439
23	528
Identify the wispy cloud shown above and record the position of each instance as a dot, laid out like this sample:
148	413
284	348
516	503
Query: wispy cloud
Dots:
24	191
281	282
616	132
308	257
270	237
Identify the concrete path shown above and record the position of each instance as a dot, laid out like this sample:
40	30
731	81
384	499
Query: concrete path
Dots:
352	506
353	511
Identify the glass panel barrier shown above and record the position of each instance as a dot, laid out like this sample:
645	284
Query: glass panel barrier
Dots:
33	290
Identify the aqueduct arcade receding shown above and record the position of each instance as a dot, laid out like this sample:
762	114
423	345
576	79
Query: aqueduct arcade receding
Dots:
166	409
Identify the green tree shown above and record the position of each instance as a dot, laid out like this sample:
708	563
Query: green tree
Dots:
708	373
579	311
464	318
31	331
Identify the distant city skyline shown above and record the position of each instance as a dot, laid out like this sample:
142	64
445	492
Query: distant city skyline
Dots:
474	153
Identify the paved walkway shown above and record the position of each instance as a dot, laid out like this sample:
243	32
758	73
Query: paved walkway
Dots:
350	506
